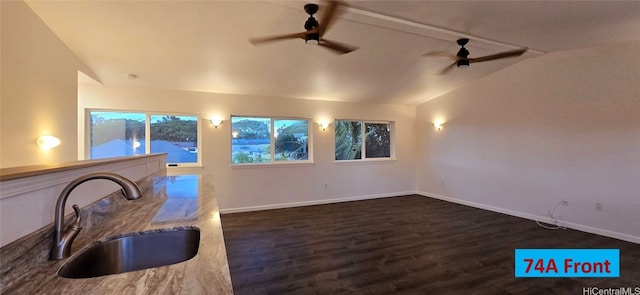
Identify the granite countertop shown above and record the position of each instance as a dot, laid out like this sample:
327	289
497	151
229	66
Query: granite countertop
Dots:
170	202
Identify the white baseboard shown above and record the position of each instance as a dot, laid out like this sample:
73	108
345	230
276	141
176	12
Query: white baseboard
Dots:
546	219
314	202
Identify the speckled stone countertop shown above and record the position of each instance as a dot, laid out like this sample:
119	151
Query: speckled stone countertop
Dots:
169	202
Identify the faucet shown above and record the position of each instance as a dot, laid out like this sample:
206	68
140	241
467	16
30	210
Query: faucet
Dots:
62	239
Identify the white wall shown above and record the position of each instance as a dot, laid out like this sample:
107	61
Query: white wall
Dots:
564	126
38	89
267	187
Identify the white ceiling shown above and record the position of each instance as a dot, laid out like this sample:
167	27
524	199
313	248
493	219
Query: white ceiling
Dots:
203	45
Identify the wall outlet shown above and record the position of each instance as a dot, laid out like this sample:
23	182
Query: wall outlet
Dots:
564	203
326	186
598	206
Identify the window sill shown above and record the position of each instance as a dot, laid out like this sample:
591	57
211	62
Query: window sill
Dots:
174	166
272	165
365	162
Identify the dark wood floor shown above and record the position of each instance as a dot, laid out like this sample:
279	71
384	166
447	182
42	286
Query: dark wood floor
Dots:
400	245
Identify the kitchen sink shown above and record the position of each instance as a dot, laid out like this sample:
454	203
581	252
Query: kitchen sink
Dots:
135	251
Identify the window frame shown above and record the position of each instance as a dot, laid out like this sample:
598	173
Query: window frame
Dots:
147	132
272	143
392	141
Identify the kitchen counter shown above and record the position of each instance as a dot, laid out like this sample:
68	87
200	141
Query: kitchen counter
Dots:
169	202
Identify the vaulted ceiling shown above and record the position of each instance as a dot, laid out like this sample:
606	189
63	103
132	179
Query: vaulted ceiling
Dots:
203	45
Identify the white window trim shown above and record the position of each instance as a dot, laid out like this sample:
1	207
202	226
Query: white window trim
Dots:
364	159
272	162
272	165
147	133
198	134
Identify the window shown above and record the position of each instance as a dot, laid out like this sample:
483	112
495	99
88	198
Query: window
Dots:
115	134
291	140
357	140
269	140
175	135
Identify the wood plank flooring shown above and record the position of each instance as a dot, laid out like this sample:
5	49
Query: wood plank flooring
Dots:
400	245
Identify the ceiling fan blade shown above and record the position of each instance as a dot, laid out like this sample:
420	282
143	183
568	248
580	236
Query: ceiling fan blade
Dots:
448	68
441	53
512	53
261	40
336	46
329	16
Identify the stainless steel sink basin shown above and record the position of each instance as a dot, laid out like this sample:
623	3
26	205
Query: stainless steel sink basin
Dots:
133	252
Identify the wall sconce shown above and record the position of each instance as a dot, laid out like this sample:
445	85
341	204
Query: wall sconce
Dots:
215	122
324	125
438	125
46	142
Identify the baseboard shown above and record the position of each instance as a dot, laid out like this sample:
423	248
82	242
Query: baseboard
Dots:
314	202
546	219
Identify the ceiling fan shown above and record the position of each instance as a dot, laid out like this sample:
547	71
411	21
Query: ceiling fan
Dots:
462	59
315	31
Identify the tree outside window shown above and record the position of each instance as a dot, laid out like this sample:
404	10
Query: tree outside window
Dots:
349	143
291	140
175	135
267	140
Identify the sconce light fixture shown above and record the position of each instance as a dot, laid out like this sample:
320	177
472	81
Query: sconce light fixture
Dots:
438	125
216	122
46	142
324	125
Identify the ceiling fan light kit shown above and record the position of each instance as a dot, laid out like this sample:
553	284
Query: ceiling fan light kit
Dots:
313	39
462	63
